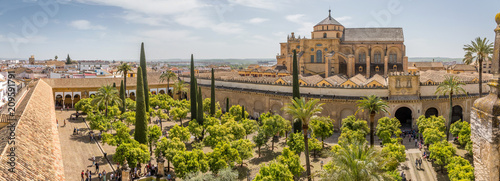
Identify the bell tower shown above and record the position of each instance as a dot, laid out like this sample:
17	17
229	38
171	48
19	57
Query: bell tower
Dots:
485	122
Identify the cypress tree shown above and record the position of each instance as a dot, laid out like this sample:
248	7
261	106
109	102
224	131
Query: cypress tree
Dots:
193	91
212	95
68	60
199	117
242	113
114	85
296	93
227	104
122	96
144	77
140	115
297	126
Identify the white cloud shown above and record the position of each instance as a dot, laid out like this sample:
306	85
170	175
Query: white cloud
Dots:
261	4
257	20
158	7
135	17
305	27
86	25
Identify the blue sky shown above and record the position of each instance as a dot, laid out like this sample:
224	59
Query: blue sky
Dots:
114	29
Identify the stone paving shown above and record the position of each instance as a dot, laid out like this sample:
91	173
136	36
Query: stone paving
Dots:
77	150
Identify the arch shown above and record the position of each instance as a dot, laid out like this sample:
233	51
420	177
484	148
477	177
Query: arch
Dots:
397	51
59	100
361	56
346	50
258	106
162	92
431	112
153	92
132	96
242	102
344	113
393	56
67	100
92	95
404	115
76	98
276	109
319	56
324	35
377	56
457	114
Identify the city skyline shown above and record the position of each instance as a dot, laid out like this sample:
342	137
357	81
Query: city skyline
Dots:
113	30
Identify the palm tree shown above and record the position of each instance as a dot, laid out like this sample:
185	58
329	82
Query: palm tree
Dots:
451	85
167	75
356	162
125	68
374	105
107	95
477	52
302	111
180	88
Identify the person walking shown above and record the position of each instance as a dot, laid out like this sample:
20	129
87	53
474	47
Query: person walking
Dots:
82	175
97	167
57	122
64	123
93	160
104	175
416	163
416	141
90	175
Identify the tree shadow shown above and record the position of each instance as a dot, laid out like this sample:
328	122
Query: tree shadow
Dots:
84	138
266	156
243	172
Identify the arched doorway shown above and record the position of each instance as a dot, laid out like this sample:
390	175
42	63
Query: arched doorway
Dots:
404	116
132	96
456	114
162	92
431	112
76	98
59	101
67	101
154	92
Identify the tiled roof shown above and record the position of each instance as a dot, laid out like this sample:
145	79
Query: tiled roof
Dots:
463	67
312	80
153	79
328	21
440	76
426	64
374	34
358	79
378	78
335	80
37	148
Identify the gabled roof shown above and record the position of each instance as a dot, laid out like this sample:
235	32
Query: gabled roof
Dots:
374	34
358	79
312	80
426	64
377	78
463	67
335	80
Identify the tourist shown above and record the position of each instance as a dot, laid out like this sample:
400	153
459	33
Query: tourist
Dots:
93	160
99	176
90	175
104	175
57	122
96	167
111	176
420	163
67	108
416	163
169	177
74	130
416	141
82	174
64	123
62	109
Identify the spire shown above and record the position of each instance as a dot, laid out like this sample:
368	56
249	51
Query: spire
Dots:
329	13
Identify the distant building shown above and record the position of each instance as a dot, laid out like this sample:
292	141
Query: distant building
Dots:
92	65
424	66
334	49
32	60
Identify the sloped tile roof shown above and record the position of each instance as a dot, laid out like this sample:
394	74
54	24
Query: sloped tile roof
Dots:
374	34
37	148
335	80
153	79
378	78
328	21
358	79
312	80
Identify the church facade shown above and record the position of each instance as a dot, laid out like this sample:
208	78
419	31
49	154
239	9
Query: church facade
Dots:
336	50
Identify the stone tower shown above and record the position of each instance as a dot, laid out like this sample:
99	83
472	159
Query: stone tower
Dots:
485	122
32	60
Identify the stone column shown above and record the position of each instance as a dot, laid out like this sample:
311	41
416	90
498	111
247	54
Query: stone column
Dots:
350	67
125	172
327	69
161	166
386	64
405	64
368	67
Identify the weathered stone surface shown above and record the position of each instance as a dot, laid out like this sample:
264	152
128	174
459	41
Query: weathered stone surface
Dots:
38	150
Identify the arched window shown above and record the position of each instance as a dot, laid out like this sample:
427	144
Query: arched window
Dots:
362	57
377	69
312	58
319	56
377	57
324	35
338	35
360	69
395	67
393	57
